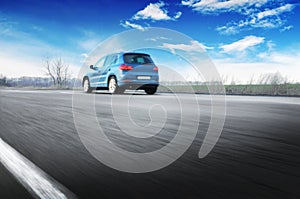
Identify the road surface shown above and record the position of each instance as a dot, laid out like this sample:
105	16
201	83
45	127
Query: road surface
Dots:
257	155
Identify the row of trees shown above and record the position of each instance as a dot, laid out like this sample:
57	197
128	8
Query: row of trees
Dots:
38	82
263	79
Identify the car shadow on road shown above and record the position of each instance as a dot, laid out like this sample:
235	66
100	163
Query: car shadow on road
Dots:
125	93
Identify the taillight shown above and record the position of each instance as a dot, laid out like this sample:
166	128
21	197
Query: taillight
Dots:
155	68
125	67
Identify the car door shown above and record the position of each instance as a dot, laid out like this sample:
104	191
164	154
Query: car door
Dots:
107	69
104	72
96	78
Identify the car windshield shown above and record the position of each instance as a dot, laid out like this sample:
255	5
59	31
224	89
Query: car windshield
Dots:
137	59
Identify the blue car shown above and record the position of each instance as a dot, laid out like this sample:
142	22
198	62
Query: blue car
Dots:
120	71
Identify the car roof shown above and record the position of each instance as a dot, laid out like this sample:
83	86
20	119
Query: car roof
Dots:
128	53
135	53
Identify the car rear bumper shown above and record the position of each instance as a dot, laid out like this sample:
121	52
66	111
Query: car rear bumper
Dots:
139	85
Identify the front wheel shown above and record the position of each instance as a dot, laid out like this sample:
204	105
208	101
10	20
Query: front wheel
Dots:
151	91
86	86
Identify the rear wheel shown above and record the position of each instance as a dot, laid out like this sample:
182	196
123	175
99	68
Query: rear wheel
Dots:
86	86
113	86
151	91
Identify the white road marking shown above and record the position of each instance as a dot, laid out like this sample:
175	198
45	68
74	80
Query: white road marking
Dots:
27	91
264	99
36	181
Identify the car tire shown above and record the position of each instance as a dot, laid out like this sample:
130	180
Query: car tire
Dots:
151	91
86	86
113	87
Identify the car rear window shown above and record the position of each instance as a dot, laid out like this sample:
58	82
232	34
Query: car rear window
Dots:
137	59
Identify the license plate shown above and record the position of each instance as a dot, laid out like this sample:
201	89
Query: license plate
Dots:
143	77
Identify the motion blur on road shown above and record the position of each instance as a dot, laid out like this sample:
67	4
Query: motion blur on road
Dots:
257	155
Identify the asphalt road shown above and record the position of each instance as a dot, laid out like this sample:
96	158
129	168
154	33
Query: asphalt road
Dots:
257	155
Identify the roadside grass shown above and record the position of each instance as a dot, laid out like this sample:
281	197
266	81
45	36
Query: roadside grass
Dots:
36	88
265	89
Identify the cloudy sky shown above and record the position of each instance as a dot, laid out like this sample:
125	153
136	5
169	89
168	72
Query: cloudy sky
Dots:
243	38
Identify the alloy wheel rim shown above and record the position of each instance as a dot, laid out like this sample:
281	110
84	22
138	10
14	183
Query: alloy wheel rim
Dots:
86	85
112	85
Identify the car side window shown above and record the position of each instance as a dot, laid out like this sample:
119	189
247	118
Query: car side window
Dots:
100	63
107	61
114	59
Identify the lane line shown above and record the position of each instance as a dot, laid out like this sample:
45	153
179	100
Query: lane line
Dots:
36	181
38	91
28	91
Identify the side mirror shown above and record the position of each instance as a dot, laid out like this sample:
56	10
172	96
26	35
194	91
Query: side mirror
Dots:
91	66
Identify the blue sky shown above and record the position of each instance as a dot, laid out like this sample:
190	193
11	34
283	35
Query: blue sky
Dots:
243	38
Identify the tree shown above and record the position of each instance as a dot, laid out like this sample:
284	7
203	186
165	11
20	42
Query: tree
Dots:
2	80
272	79
58	70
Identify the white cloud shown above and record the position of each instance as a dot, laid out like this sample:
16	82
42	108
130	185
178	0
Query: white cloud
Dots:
37	28
214	6
286	28
156	12
17	67
128	24
286	63
270	44
153	11
194	46
28	59
157	38
88	44
228	29
284	58
84	55
243	44
89	39
178	15
251	22
257	19
27	66
188	2
275	11
268	23
254	12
